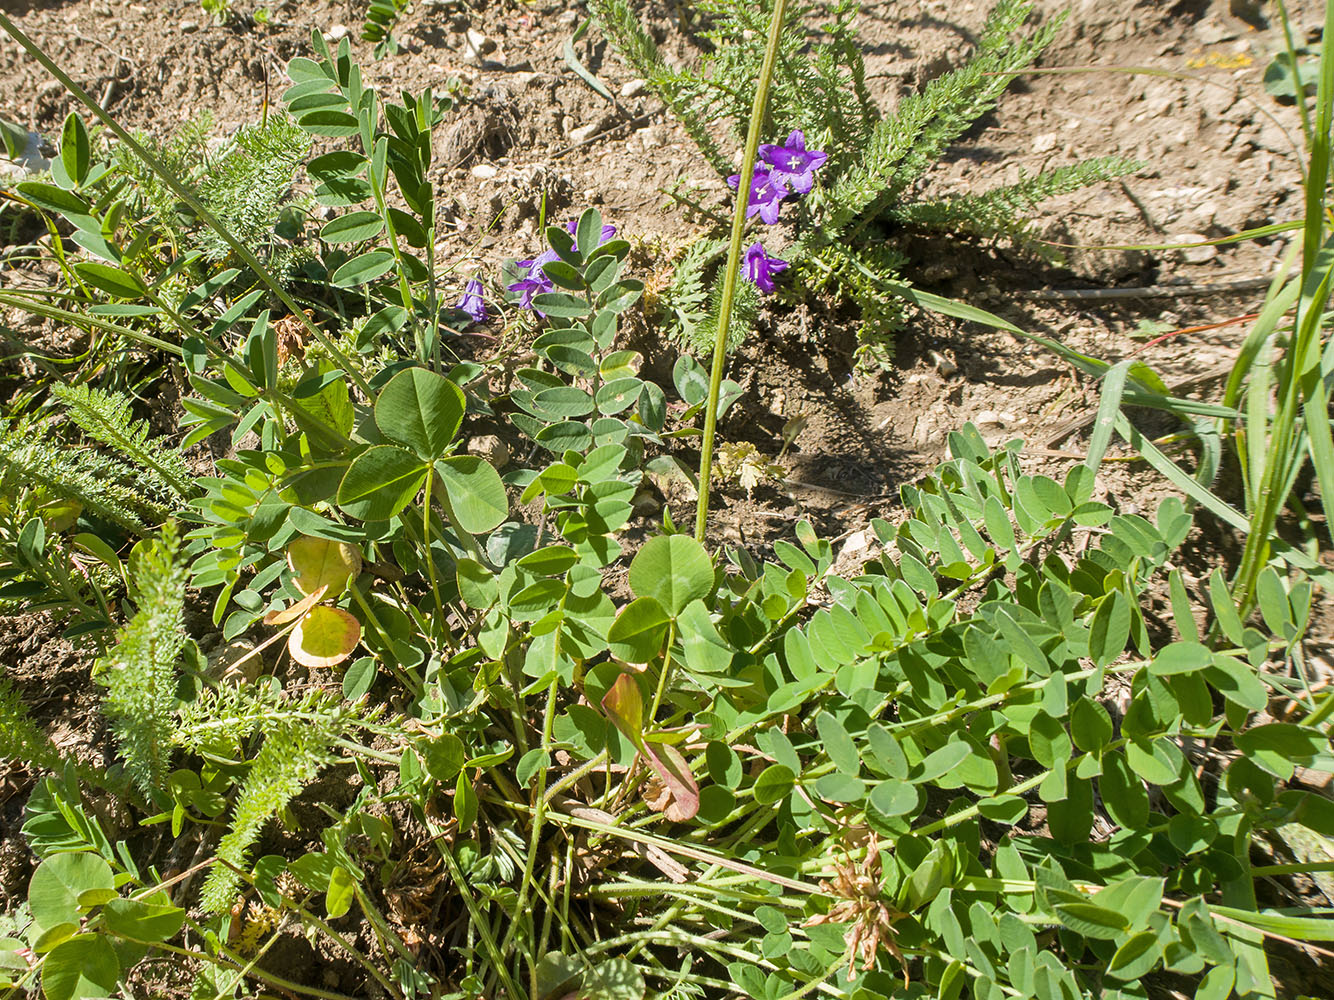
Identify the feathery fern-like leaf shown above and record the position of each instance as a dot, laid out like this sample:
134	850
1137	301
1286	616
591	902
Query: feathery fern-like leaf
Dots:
104	487
139	673
106	417
999	213
20	739
292	754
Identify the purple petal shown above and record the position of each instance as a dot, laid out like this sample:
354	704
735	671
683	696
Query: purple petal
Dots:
769	210
471	302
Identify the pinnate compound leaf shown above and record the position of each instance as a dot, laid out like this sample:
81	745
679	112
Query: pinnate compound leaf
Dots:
705	650
1136	956
940	762
354	227
675	569
444	756
75	153
422	410
1110	629
1181	658
1090	725
324	638
894	798
838	744
475	492
322	564
341	892
363	268
1091	921
1291	741
774	783
110	279
52	199
1236	681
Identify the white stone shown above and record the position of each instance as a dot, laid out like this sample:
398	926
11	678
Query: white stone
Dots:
1044	143
484	171
1195	255
337	33
633	88
584	132
482	43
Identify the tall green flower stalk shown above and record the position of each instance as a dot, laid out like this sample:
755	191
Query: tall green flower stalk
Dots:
731	274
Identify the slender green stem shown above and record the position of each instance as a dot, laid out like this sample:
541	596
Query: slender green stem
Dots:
539	810
430	560
477	922
733	265
18	300
584	769
663	674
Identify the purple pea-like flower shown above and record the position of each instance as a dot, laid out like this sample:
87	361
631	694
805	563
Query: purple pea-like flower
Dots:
760	267
572	227
471	301
766	194
534	281
792	163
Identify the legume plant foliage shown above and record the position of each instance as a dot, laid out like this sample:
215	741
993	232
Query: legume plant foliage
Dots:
973	766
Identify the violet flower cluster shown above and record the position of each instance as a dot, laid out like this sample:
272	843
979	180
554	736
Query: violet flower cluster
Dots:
535	281
781	171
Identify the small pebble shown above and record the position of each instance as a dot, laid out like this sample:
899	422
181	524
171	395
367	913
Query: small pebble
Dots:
1195	255
189	26
482	43
944	365
491	448
483	171
633	88
337	33
583	133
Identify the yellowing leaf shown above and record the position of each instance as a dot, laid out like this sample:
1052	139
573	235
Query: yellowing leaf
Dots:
285	615
324	638
320	562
